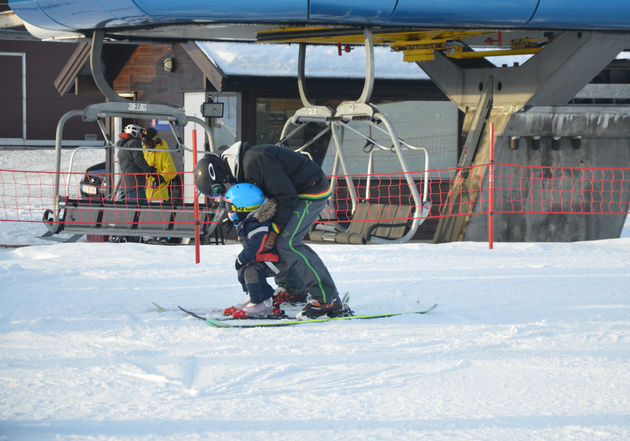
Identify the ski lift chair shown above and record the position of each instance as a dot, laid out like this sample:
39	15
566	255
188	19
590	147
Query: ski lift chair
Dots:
374	223
107	216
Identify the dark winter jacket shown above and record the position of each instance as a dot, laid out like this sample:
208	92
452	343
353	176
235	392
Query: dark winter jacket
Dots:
280	173
253	231
132	162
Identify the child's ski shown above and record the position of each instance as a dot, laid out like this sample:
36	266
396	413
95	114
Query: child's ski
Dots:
197	316
222	324
345	300
226	318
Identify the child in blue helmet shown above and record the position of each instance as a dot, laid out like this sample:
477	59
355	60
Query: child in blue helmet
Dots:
251	213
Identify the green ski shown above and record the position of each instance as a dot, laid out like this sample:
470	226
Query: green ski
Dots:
222	324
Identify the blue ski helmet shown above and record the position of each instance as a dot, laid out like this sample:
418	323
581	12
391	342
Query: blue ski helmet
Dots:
244	198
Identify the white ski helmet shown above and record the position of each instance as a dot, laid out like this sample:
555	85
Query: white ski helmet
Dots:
133	129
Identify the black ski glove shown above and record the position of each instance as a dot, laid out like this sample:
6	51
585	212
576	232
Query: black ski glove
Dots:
157	181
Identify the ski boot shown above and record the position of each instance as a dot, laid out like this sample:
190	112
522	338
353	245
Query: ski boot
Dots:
258	310
281	296
316	309
232	309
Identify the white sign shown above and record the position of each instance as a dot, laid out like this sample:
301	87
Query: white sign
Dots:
137	107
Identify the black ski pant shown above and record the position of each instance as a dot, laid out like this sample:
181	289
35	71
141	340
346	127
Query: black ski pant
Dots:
300	257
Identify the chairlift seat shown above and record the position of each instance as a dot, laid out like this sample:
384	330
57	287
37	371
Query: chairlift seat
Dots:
81	216
369	220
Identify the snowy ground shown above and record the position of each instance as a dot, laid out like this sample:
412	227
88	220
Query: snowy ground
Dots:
530	341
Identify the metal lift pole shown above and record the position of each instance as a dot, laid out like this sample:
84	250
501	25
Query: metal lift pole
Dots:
98	70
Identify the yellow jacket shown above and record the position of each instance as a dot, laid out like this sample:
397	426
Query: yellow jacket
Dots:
163	162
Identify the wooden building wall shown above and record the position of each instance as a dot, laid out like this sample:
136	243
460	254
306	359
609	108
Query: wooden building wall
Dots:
11	102
144	75
44	106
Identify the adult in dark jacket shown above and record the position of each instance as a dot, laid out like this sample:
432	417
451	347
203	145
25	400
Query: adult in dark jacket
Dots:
300	188
133	166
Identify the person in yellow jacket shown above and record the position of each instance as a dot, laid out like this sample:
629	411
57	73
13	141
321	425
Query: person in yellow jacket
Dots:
158	185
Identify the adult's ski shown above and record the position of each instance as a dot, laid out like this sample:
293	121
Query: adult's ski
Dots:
160	308
267	324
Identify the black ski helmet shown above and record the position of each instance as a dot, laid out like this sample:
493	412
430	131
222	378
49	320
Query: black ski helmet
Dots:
150	136
210	175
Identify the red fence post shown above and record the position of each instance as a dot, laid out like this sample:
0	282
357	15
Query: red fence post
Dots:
195	197
491	189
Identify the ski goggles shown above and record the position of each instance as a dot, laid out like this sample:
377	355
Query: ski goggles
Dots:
217	190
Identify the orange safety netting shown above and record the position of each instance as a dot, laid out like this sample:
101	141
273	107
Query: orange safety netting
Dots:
25	195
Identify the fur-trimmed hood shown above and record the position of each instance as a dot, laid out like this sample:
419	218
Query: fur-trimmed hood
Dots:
266	211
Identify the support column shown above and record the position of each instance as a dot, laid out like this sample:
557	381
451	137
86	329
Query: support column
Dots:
552	77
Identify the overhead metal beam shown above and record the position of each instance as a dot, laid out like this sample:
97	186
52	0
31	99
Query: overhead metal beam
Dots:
553	76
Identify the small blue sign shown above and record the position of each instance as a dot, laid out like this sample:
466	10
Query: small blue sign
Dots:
161	124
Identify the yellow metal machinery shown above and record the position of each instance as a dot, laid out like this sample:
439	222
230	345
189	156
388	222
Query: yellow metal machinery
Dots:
416	45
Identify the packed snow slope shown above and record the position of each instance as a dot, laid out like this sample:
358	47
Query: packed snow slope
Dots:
529	342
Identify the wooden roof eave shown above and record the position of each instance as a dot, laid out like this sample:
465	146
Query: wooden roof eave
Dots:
70	71
215	75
